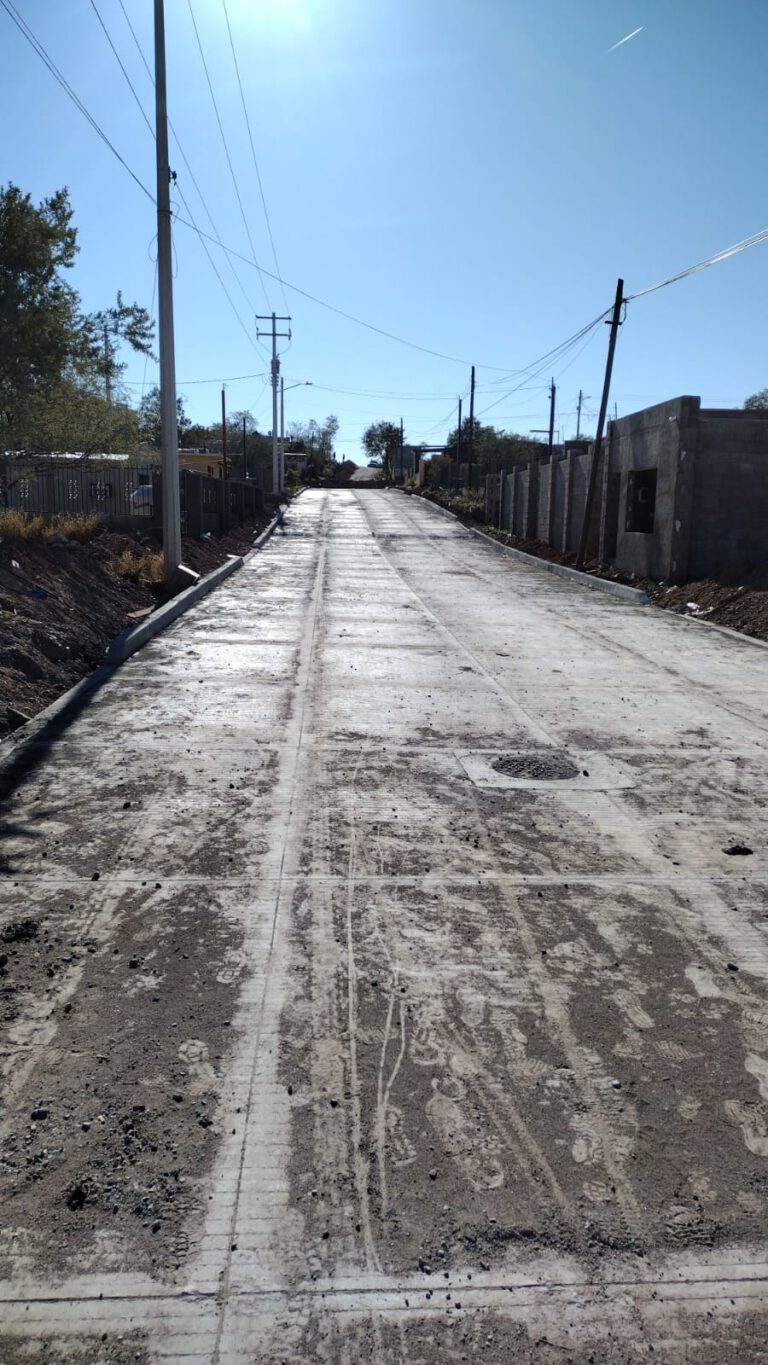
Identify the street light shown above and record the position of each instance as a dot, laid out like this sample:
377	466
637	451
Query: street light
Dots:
302	384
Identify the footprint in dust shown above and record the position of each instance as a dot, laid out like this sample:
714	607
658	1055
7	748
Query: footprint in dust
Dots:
633	1009
758	1067
194	1054
401	1149
477	1158
703	983
752	1119
232	968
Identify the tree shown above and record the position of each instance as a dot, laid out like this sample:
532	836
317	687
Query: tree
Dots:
150	421
42	332
327	435
381	442
124	322
757	402
73	416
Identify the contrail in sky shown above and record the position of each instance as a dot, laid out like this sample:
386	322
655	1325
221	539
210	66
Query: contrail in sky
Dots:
621	41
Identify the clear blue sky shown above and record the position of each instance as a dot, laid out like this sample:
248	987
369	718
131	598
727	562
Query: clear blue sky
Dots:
472	175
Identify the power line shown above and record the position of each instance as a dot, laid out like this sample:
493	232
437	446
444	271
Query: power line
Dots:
754	240
178	187
44	56
253	152
226	151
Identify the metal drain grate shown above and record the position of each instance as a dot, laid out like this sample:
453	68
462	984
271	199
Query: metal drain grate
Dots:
544	770
536	767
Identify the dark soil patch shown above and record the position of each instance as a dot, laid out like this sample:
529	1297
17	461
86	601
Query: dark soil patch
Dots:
60	605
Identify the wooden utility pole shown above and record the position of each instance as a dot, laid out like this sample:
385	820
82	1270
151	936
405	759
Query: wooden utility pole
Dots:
598	445
224	469
471	453
169	439
552	393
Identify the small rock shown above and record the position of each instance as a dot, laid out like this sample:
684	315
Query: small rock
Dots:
433	1175
738	851
38	1114
134	962
732	967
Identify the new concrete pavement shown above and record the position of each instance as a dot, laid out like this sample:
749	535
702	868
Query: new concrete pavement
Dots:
384	975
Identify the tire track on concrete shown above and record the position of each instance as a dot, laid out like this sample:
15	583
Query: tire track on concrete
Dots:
282	865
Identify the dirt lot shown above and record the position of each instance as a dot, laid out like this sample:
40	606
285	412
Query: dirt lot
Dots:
737	597
63	598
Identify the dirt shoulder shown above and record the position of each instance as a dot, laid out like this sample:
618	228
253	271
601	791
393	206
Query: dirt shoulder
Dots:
63	598
737	597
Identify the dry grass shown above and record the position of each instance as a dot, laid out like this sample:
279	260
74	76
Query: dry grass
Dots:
16	525
74	528
139	565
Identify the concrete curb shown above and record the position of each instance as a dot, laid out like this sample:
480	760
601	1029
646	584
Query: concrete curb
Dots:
128	641
619	590
120	649
126	644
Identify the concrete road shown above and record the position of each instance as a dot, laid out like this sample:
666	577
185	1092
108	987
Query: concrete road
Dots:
384	975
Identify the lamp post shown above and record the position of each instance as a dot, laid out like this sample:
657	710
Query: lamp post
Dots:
302	384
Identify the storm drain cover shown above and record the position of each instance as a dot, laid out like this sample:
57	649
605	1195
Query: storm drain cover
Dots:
544	769
540	767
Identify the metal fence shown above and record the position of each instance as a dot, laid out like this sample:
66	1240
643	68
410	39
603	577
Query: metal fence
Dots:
115	492
126	495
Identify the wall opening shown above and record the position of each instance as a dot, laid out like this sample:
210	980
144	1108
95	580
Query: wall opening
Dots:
641	500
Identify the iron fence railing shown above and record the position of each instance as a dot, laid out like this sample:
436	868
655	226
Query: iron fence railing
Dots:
125	494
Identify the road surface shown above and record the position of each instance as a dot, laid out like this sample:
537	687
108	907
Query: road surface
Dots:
384	975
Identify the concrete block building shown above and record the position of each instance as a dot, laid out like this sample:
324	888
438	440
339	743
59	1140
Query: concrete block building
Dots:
682	493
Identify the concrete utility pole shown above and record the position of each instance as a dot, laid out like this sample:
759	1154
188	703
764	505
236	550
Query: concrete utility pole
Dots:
471	454
224	469
245	452
458	452
578	413
597	447
275	373
107	365
168	418
402	467
282	432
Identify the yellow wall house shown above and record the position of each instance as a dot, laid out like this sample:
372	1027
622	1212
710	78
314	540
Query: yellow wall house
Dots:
202	462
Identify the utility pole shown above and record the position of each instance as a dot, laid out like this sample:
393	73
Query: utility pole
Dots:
458	452
224	470
245	452
578	414
282	431
107	365
598	445
552	393
272	318
471	453
168	418
402	468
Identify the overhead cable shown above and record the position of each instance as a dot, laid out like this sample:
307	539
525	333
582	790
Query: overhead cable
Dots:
226	151
44	56
754	240
253	153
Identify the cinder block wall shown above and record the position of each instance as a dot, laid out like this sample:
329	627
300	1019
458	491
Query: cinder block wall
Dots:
655	439
730	491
